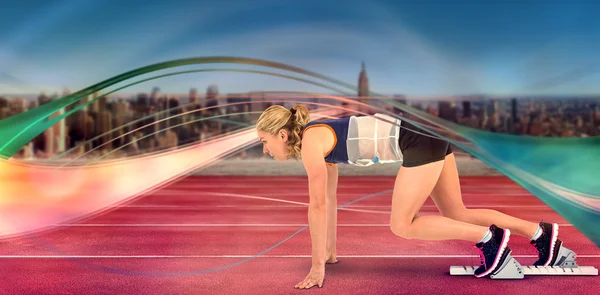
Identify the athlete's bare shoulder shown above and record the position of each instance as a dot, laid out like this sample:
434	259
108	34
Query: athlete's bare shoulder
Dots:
319	135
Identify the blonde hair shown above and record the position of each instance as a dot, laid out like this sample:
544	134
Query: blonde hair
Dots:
276	117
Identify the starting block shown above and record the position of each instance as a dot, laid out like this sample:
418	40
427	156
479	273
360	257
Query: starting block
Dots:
565	265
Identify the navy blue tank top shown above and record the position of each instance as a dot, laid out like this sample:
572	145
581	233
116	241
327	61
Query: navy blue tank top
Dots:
339	152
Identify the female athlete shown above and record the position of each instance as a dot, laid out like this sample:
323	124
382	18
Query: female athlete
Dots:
428	169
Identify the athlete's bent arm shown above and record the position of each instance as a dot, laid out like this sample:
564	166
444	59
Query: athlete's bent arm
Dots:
332	183
316	169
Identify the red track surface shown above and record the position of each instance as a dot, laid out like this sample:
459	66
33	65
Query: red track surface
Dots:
204	223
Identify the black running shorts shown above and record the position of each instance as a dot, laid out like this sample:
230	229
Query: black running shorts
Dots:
420	149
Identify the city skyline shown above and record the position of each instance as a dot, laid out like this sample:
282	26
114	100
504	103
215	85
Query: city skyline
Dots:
105	113
415	48
362	90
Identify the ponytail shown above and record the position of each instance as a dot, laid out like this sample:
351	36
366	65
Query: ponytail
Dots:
299	118
277	117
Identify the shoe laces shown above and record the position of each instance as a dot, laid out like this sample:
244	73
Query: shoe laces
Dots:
481	256
535	250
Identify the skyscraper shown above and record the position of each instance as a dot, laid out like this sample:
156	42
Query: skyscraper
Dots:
363	82
363	87
49	142
60	132
193	95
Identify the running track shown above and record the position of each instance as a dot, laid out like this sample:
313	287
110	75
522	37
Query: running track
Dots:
191	237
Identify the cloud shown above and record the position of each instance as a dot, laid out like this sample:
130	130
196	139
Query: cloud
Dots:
397	61
8	79
400	58
87	56
9	84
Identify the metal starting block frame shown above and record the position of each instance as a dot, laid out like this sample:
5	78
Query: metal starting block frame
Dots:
565	265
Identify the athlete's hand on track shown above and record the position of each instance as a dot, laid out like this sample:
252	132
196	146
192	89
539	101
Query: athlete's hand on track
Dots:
314	278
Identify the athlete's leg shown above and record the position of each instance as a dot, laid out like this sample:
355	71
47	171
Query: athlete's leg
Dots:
447	196
424	159
412	187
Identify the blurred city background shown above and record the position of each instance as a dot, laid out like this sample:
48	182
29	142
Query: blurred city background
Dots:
78	135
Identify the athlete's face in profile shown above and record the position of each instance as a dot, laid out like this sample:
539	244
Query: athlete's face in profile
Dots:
274	145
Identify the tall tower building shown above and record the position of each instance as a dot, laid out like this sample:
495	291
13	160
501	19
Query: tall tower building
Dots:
121	113
104	126
67	92
28	151
49	142
154	95
103	103
89	131
514	110
95	106
193	95
212	93
60	132
363	87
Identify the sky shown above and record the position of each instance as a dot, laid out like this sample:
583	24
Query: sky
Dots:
415	48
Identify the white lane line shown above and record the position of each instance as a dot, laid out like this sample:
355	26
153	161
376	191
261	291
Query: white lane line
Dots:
219	225
244	196
300	206
200	192
285	185
264	256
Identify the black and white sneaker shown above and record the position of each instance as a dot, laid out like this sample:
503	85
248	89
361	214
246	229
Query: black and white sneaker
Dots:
493	252
547	245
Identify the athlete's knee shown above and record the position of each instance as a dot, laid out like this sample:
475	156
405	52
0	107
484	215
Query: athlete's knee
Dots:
401	229
459	214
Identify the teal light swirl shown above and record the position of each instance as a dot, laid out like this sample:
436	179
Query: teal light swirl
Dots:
562	172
